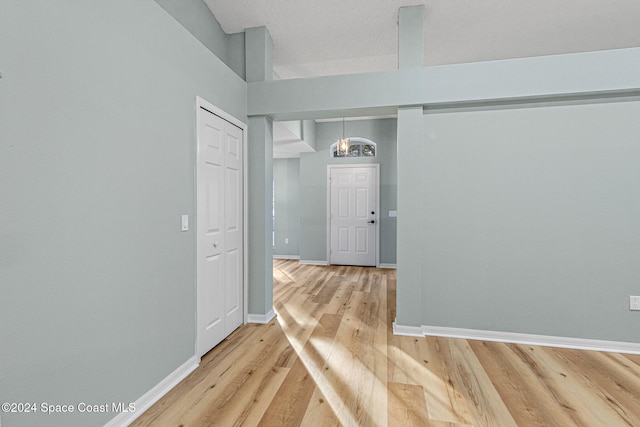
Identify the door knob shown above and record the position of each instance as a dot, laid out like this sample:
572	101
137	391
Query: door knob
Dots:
215	245
372	222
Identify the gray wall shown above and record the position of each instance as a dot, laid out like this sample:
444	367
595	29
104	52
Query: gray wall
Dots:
531	220
286	177
197	18
97	155
313	185
309	132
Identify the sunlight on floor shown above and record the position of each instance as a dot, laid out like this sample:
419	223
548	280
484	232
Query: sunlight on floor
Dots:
354	386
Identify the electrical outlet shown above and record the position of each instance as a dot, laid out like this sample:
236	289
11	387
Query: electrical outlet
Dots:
286	240
634	303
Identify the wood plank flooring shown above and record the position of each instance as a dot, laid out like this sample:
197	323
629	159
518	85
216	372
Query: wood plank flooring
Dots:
330	359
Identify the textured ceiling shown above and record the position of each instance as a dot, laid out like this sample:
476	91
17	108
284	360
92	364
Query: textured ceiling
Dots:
313	38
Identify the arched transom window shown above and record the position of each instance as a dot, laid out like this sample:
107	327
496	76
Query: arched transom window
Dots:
353	147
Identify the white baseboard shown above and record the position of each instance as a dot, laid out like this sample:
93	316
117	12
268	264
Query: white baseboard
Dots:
152	396
286	257
313	262
387	266
410	331
518	338
261	318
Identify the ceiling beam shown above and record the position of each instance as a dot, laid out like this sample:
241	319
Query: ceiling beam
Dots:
610	72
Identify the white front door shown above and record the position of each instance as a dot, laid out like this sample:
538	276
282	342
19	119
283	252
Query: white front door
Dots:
219	229
353	214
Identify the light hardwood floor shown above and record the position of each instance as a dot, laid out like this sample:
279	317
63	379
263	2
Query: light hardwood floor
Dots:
330	359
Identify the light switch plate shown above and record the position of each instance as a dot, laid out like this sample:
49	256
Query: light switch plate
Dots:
634	303
185	223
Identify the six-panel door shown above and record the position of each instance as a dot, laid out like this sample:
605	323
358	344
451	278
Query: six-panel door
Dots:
219	228
353	201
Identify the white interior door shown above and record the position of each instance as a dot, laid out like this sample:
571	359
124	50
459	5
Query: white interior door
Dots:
219	229
353	214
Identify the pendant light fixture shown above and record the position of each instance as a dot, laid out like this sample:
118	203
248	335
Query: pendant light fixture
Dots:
343	144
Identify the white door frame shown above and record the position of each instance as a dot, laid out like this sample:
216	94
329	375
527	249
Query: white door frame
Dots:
202	103
376	167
